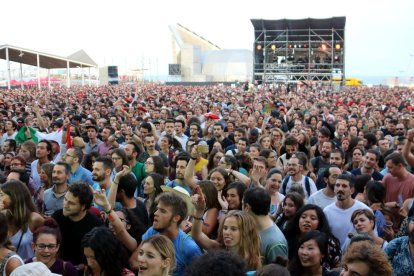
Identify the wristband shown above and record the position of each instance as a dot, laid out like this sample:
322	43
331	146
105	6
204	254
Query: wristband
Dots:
192	158
198	218
108	212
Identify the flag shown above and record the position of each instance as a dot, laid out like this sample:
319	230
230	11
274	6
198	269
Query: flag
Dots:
268	108
36	136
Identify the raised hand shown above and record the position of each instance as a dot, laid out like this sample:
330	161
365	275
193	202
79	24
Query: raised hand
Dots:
198	199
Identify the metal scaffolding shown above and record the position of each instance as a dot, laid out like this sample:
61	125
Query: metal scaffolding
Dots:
300	50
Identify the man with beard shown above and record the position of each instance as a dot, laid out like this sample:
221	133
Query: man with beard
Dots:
44	155
181	164
400	251
291	145
171	211
53	197
319	163
218	132
295	177
73	157
107	144
369	166
132	151
149	143
326	196
75	221
339	213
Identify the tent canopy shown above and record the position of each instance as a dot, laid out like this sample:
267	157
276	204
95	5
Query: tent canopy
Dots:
48	61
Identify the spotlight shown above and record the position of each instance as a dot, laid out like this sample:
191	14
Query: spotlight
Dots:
323	46
259	47
338	46
290	46
273	47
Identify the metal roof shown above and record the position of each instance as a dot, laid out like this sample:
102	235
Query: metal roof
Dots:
48	61
306	23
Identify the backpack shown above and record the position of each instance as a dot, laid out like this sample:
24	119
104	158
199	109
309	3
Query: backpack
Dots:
286	180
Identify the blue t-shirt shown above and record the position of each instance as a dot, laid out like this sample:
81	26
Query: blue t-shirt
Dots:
185	249
174	183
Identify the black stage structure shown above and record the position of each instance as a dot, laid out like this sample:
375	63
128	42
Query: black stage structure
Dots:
298	51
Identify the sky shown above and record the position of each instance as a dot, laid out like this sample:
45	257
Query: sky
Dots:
134	34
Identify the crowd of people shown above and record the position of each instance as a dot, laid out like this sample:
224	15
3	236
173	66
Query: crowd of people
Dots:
152	179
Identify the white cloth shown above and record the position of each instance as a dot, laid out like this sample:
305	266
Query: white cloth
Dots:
320	199
340	220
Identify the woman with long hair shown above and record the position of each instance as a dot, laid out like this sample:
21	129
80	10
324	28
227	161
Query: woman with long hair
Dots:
273	183
9	260
46	180
22	217
28	152
237	233
155	164
214	159
156	256
292	202
356	161
308	218
152	188
277	137
46	243
119	159
265	141
311	251
104	253
210	222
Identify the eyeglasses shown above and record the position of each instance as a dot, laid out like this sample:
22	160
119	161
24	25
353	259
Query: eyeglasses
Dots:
42	246
149	163
69	155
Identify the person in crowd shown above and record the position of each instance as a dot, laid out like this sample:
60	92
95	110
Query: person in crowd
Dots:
364	223
73	157
292	202
156	256
312	249
214	159
46	180
399	251
341	211
291	146
53	197
46	244
28	152
75	221
22	216
256	202
305	160
9	260
152	188
326	196
308	218
171	211
295	176
356	159
369	165
104	254
44	155
273	184
398	183
237	233
132	151
365	258
231	198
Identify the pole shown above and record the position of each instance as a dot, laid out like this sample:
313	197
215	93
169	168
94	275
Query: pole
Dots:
8	69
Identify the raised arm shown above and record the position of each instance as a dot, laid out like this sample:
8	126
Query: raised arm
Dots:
200	238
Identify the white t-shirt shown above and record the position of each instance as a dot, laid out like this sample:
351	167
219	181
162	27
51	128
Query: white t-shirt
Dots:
320	199
340	220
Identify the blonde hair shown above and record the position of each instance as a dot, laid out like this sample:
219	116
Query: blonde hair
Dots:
249	246
165	247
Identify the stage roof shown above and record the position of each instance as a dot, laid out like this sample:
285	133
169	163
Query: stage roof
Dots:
48	61
306	23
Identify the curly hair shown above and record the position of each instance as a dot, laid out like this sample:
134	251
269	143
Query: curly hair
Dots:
249	245
108	250
369	254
